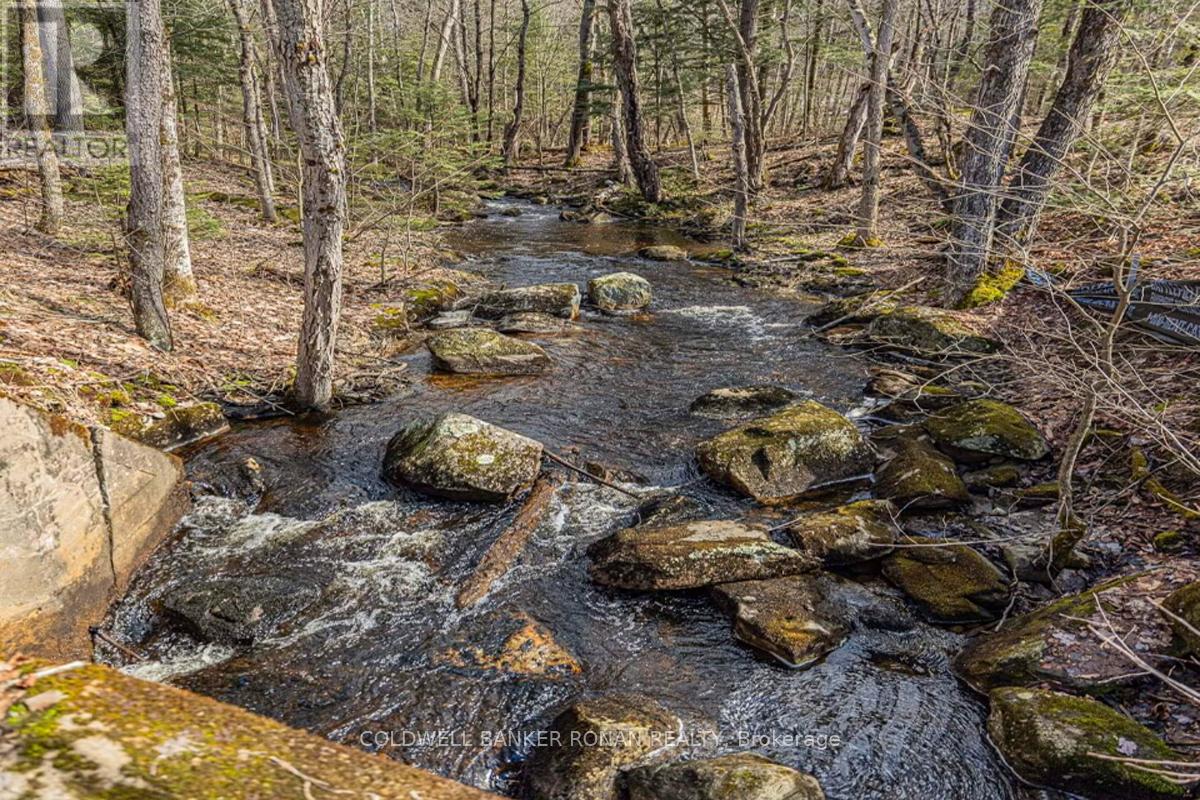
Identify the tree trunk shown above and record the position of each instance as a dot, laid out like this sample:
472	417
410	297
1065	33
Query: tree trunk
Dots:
178	280
868	209
988	140
741	173
645	171
1090	58
64	93
748	85
839	172
37	113
298	46
814	53
512	131
252	117
145	100
583	84
620	155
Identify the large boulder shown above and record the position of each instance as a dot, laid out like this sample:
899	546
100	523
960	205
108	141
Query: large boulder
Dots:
1074	744
462	458
737	776
691	555
238	610
741	402
796	619
920	478
951	583
591	742
620	291
555	299
481	351
928	331
663	252
856	532
979	430
777	459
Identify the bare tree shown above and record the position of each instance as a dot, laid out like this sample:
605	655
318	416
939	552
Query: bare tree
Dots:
645	171
620	154
178	279
252	116
581	111
741	171
38	116
868	209
63	90
298	46
512	131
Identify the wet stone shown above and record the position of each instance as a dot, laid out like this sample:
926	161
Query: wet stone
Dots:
742	402
737	776
952	584
481	351
918	477
554	299
238	610
620	292
846	535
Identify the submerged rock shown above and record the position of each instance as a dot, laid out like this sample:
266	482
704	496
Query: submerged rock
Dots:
797	618
620	291
918	477
591	742
481	351
1050	739
737	776
928	331
462	458
794	452
670	509
663	252
952	583
691	555
516	644
856	532
555	299
238	610
740	402
978	430
531	322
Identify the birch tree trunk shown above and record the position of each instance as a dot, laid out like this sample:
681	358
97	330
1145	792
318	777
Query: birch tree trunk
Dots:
839	171
645	171
252	116
583	83
1091	56
741	176
38	114
512	131
145	102
178	279
299	48
989	140
868	208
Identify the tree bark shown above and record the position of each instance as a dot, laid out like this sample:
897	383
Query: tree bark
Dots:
38	115
620	155
868	209
839	171
178	280
145	100
512	131
252	116
741	172
1091	56
64	93
645	171
988	140
583	83
298	47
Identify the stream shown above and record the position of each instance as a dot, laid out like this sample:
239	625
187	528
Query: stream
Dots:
371	663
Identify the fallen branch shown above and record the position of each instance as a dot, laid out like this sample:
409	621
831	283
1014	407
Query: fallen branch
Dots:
562	462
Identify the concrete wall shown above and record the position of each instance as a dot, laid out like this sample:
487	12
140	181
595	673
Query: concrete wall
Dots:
80	510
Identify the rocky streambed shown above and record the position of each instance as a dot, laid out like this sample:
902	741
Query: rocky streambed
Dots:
765	586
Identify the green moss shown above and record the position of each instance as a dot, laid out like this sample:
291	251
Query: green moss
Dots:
849	272
1168	540
979	429
993	287
951	583
852	241
927	331
203	225
16	375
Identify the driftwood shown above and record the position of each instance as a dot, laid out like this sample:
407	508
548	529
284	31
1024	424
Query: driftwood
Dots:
510	544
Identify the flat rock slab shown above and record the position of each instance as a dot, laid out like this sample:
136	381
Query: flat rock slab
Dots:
740	776
481	351
846	535
1050	739
979	430
952	583
462	458
742	402
691	555
555	299
778	459
238	610
620	292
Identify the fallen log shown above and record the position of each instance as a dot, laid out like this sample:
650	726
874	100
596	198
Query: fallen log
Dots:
510	544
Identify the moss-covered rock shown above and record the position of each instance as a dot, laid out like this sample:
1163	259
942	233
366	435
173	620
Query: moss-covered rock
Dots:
858	309
918	477
462	458
741	402
928	331
852	533
178	426
533	322
911	393
1052	739
93	732
555	299
592	741
691	555
952	583
800	450
737	776
482	351
997	476
978	430
426	299
663	252
993	287
1184	605
620	292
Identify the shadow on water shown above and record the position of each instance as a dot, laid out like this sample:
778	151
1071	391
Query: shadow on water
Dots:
384	660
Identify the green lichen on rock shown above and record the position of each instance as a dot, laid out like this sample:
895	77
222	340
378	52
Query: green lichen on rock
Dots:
849	534
802	449
952	583
178	426
928	331
994	286
1051	739
663	252
555	299
737	776
1166	541
108	735
918	477
481	351
1184	617
997	476
978	430
620	292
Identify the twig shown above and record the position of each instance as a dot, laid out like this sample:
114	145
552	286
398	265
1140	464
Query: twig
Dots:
564	463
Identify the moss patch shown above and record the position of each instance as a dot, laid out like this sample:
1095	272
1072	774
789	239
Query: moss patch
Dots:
993	287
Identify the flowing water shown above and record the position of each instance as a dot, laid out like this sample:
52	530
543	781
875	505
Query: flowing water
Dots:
378	661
